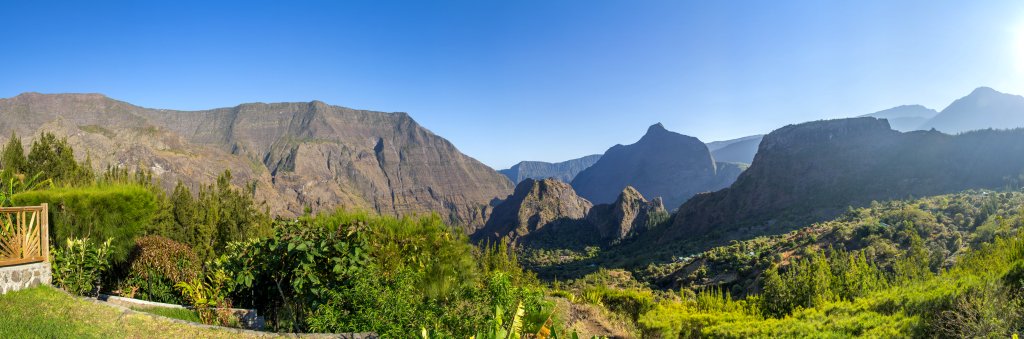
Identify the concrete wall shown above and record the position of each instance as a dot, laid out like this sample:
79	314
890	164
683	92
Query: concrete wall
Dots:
13	278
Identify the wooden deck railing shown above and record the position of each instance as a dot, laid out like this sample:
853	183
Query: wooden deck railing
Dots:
24	235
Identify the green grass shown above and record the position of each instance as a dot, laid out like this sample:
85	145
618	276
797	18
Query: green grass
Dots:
44	312
174	313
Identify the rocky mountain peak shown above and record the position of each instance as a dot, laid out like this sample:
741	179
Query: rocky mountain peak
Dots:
629	214
534	206
656	128
661	164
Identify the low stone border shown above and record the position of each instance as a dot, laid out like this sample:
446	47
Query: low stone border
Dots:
18	277
126	310
248	318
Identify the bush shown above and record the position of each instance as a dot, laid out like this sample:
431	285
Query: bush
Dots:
118	212
345	272
156	264
79	265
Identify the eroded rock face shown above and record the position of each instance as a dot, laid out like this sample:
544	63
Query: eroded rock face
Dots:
662	164
535	206
299	154
630	213
548	212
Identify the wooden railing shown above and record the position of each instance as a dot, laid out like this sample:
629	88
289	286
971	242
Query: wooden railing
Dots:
24	235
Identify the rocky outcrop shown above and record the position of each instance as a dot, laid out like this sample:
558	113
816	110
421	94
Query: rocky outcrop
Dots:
547	212
564	171
298	154
536	206
629	214
661	164
813	171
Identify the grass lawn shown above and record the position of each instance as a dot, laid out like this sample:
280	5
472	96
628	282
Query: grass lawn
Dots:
176	313
44	312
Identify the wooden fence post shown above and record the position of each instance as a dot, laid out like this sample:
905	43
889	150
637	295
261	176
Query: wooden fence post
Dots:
44	231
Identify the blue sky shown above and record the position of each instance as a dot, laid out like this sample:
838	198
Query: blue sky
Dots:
525	80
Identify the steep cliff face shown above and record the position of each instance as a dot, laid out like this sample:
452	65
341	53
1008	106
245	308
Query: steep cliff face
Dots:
536	206
300	154
564	171
548	212
628	215
662	164
813	171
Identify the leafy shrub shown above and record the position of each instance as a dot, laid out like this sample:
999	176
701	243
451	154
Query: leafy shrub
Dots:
346	272
117	212
79	265
156	265
208	296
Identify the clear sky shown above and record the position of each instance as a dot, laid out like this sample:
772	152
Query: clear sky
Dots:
525	80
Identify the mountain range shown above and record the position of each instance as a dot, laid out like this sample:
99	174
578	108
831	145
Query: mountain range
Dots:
564	171
299	155
813	171
739	150
320	156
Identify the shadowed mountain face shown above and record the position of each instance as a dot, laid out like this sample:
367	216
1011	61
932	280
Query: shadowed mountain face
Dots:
740	150
662	164
983	108
298	154
905	118
564	171
548	213
813	171
536	206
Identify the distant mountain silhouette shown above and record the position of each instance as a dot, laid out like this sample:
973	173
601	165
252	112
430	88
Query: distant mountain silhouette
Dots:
983	108
564	171
661	164
905	118
740	150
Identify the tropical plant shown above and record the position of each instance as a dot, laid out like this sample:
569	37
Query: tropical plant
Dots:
209	297
80	264
17	183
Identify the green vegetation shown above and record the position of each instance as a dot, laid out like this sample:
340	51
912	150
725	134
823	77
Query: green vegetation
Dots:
44	312
157	264
80	264
345	272
947	265
171	312
119	212
218	248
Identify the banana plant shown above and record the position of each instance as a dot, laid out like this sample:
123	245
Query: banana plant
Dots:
17	183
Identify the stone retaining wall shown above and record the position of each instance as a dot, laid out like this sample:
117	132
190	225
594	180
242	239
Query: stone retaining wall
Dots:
13	278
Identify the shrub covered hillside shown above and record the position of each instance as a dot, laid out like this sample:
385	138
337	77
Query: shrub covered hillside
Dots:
947	265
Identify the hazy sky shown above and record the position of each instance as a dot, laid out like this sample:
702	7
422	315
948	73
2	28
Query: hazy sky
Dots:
525	80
